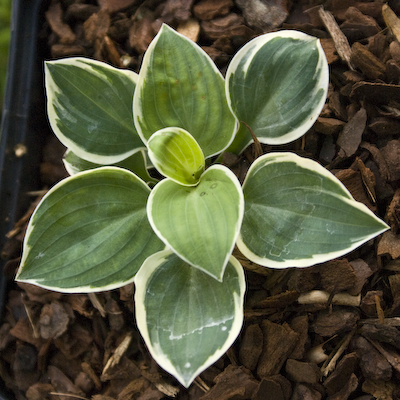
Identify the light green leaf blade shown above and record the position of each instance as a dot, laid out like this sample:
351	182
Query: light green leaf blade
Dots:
187	319
199	223
298	214
179	85
136	163
89	233
277	84
89	105
176	155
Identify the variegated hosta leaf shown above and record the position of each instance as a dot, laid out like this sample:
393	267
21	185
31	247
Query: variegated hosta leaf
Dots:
298	214
89	233
277	84
179	85
89	105
176	155
136	163
187	319
199	223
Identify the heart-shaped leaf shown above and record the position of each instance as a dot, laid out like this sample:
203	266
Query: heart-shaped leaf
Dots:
179	85
277	85
89	233
298	214
176	154
199	223
187	319
89	105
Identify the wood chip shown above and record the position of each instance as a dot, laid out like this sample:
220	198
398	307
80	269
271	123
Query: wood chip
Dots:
299	371
372	363
362	272
340	40
279	342
233	382
389	244
251	346
359	26
391	20
350	138
376	93
329	323
141	32
391	154
383	333
265	15
190	29
328	126
54	16
370	65
339	377
119	352
277	387
53	321
210	9
113	6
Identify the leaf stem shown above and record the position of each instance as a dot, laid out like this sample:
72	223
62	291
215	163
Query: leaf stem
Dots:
258	151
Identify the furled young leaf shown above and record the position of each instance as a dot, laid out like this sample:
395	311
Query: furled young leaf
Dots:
89	233
176	155
136	163
187	319
199	223
298	214
277	85
89	105
179	85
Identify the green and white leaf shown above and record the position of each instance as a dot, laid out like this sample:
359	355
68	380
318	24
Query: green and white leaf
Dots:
179	85
89	105
277	84
187	319
176	155
89	233
136	163
199	223
298	214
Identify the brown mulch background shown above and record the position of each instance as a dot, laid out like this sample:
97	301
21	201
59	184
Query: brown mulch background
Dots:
325	332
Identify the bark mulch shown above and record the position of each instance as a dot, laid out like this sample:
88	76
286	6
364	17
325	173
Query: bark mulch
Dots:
326	332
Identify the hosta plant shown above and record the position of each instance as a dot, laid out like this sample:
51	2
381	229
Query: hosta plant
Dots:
111	223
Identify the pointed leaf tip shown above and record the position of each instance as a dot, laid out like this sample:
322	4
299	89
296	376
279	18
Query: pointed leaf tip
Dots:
298	214
199	319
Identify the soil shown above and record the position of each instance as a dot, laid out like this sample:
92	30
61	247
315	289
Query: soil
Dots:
326	332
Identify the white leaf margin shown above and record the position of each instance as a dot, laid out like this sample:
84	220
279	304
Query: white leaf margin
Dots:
30	227
234	179
144	71
140	280
51	90
316	258
155	160
249	51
